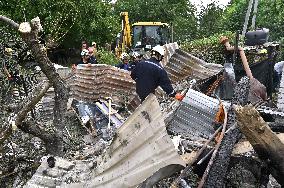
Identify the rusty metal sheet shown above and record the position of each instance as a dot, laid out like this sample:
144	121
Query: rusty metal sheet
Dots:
183	65
99	81
195	116
141	148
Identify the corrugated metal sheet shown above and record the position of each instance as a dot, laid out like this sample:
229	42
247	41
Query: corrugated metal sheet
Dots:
183	65
195	116
169	52
141	148
98	81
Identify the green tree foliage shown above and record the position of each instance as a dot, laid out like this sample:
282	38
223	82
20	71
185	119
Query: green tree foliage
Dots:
96	22
106	57
210	20
66	21
271	15
208	49
234	15
178	12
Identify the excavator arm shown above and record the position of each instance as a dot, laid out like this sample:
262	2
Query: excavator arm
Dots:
125	36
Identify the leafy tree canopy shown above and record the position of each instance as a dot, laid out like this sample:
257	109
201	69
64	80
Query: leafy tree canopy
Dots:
66	21
178	12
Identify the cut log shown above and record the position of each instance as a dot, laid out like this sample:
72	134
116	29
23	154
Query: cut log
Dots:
266	144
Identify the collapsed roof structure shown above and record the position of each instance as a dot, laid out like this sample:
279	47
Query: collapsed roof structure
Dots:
142	145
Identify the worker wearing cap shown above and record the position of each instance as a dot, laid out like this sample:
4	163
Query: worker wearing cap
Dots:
149	74
124	64
85	58
93	58
94	46
135	58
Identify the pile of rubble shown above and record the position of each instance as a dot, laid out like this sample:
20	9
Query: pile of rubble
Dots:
160	143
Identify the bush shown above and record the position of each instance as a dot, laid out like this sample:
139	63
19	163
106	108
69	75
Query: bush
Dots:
208	49
106	57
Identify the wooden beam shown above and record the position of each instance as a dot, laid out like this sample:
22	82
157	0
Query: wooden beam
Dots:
265	142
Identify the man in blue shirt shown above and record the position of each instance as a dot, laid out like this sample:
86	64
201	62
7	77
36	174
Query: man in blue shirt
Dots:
149	74
124	64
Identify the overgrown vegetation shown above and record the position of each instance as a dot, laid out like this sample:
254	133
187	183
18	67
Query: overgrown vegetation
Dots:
68	22
106	57
208	49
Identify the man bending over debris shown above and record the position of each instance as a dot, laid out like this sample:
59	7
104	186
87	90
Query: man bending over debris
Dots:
149	74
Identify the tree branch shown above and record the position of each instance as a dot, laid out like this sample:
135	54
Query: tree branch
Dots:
51	140
29	104
265	143
9	21
32	101
29	33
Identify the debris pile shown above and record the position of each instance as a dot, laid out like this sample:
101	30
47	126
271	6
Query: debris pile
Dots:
159	143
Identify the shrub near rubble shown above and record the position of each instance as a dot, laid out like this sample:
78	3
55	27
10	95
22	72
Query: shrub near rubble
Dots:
208	49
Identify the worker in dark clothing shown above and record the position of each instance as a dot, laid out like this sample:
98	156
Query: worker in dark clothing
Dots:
85	59
149	74
135	58
124	64
93	58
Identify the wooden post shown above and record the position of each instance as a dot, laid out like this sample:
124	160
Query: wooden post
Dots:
266	144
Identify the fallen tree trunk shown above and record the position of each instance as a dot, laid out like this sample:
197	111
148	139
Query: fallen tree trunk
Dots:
266	144
243	147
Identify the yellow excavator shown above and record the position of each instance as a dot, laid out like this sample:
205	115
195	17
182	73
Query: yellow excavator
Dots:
141	37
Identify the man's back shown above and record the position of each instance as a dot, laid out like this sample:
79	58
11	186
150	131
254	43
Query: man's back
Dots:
148	75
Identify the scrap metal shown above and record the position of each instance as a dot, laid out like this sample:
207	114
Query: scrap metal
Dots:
195	116
141	147
92	82
183	65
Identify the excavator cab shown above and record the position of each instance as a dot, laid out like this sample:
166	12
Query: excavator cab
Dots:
146	35
143	37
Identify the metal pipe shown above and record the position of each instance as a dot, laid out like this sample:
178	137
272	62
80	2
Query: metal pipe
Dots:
243	58
245	63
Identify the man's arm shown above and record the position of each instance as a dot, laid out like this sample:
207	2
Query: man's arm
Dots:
165	83
134	73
